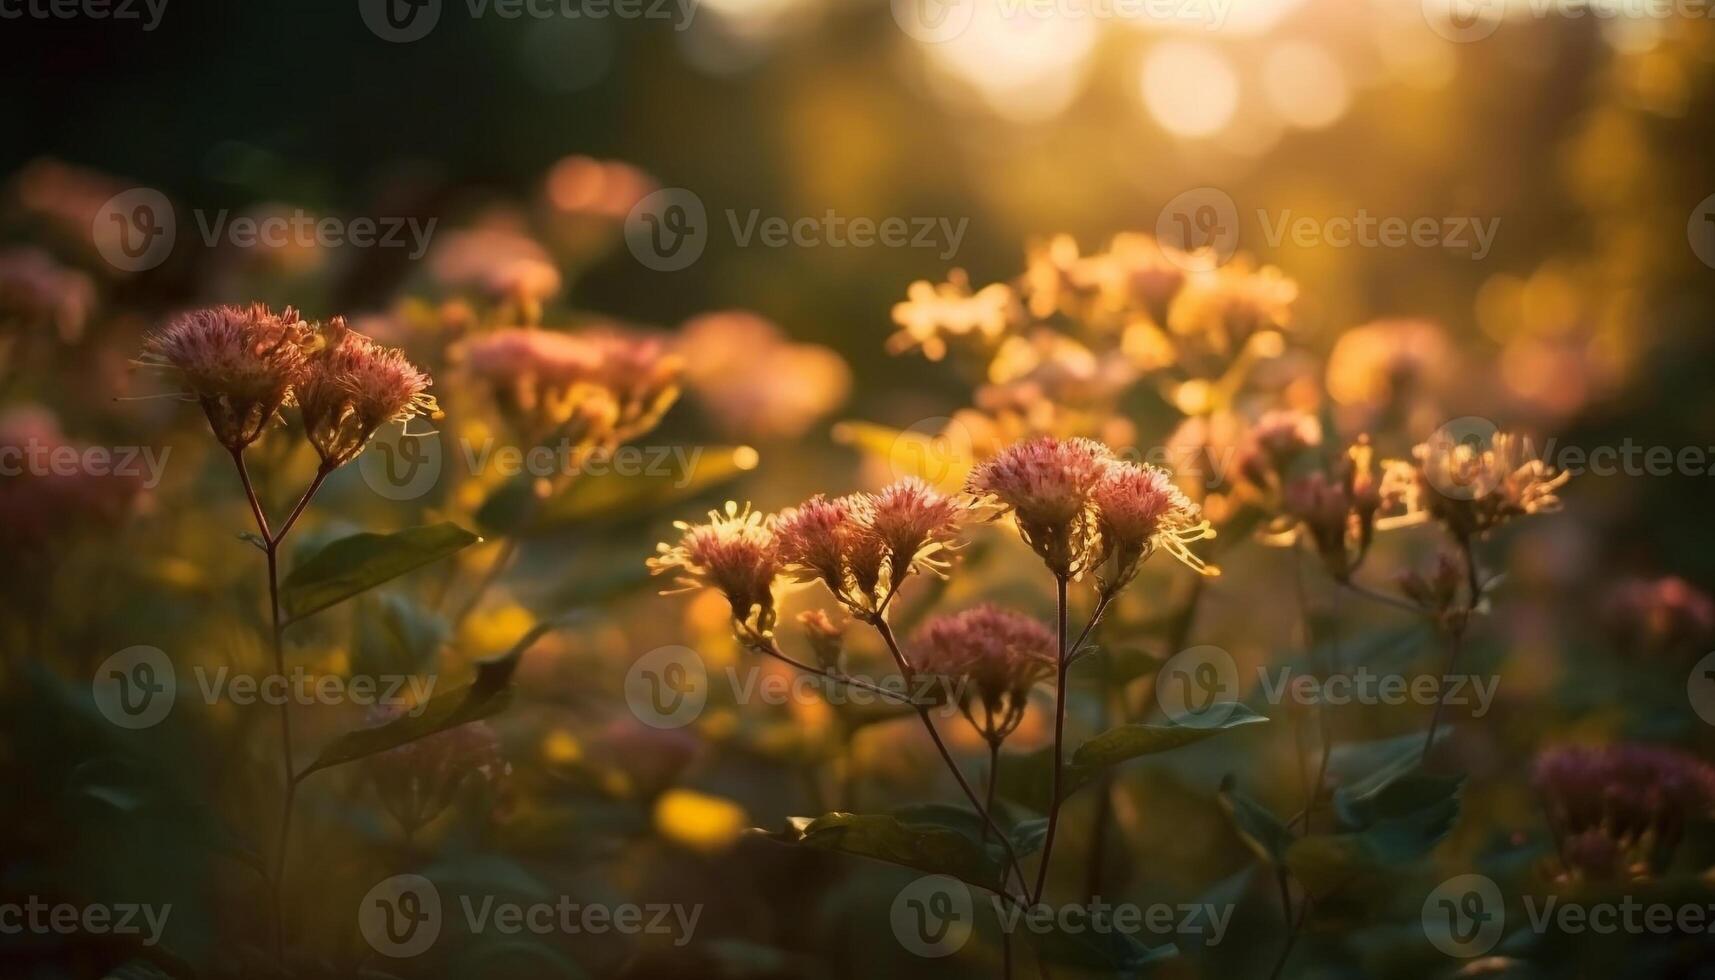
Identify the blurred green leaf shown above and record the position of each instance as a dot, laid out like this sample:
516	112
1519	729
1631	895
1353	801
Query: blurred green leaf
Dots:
1256	824
482	697
1029	779
930	847
514	509
353	565
1389	827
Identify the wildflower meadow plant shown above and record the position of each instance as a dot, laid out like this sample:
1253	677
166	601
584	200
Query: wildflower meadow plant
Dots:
243	366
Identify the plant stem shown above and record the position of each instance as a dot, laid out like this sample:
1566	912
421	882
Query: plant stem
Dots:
1455	641
1059	740
770	649
271	547
988	796
886	631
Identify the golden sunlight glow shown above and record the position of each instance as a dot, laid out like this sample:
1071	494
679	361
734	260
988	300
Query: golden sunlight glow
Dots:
1305	84
1025	68
1190	88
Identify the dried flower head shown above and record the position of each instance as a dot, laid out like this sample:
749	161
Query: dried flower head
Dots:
1046	484
994	656
737	553
351	387
915	522
417	781
1473	488
1337	509
240	363
862	546
1620	811
1139	509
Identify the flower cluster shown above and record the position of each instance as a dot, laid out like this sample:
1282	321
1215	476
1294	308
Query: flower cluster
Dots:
1472	489
1078	506
1067	338
1619	812
862	547
351	387
599	388
994	657
736	553
1337	509
243	364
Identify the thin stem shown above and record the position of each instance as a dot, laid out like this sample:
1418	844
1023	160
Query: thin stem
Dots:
1455	642
322	473
271	548
988	795
886	631
769	648
1294	924
1059	741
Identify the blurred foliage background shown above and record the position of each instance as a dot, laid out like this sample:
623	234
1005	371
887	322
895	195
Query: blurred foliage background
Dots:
1586	138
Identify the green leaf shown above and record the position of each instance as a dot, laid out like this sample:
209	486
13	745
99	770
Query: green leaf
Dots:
484	696
1256	824
1389	827
514	509
1029	779
1117	745
908	841
360	562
